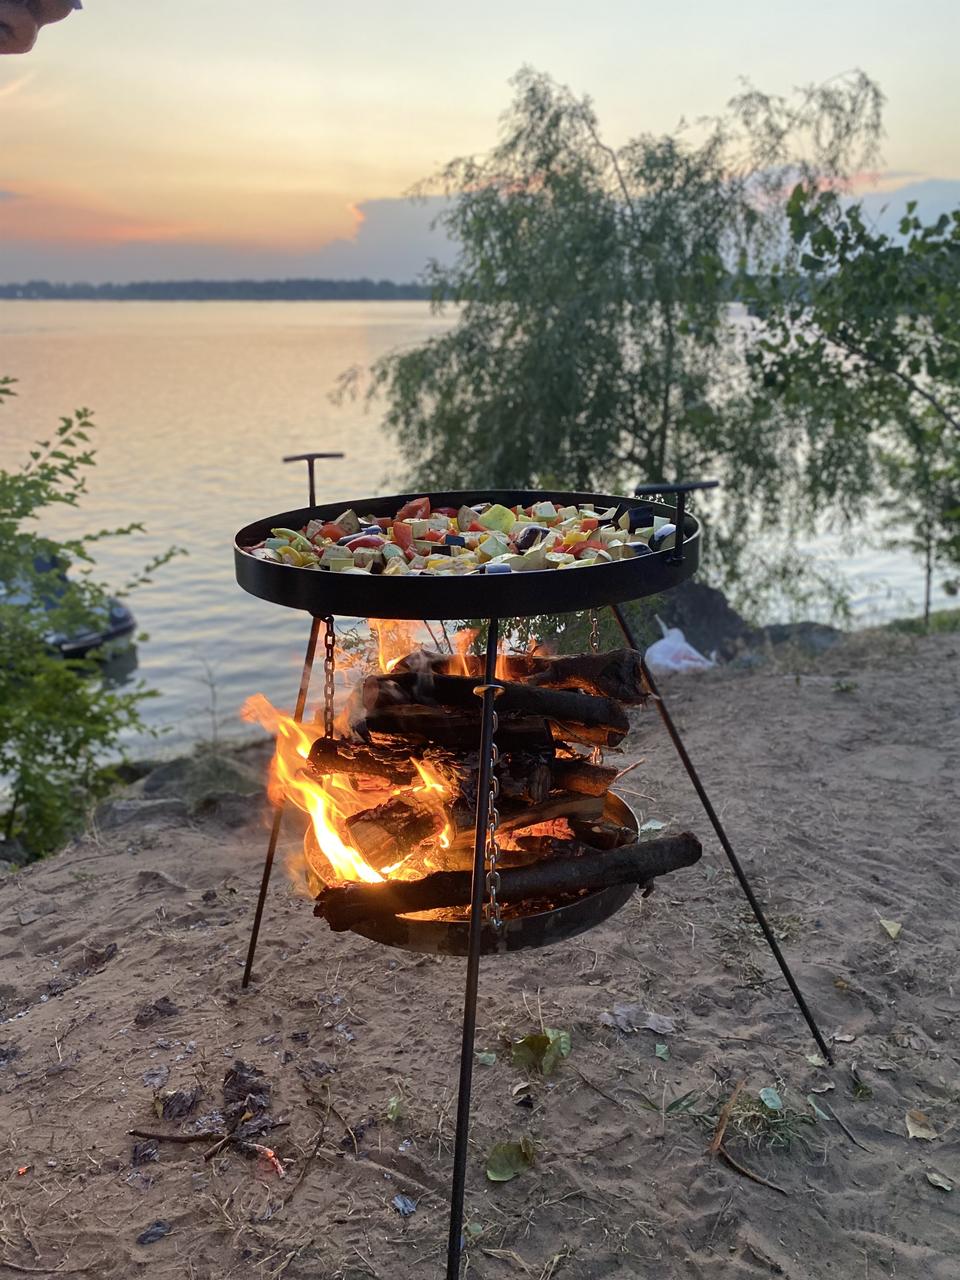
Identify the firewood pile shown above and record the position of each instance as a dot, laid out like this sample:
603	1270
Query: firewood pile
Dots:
424	714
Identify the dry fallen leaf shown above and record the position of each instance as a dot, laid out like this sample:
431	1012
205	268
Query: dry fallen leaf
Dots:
892	927
936	1180
918	1126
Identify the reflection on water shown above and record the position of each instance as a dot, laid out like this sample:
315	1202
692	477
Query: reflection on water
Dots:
120	665
196	404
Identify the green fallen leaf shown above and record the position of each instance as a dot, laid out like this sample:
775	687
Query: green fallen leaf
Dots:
771	1099
815	1060
541	1051
936	1180
892	927
487	1058
508	1159
473	1229
821	1115
395	1108
663	1052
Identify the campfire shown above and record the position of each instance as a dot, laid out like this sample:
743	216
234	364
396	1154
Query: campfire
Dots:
392	795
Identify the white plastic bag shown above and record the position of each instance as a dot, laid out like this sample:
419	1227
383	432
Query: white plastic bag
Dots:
672	653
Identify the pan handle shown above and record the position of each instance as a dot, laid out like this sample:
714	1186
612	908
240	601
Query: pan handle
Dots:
310	459
680	490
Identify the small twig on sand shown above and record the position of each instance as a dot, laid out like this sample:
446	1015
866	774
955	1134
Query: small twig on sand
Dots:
203	1136
217	1146
353	1136
716	1147
748	1173
597	1089
856	1141
723	1120
45	1271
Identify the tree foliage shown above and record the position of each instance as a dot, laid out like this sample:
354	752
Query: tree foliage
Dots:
58	719
859	356
593	344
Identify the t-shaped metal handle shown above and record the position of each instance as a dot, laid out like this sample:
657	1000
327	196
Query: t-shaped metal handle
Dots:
680	489
310	459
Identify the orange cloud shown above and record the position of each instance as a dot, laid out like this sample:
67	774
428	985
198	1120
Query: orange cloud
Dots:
49	215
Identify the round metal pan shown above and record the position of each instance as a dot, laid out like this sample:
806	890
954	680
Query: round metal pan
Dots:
541	929
507	595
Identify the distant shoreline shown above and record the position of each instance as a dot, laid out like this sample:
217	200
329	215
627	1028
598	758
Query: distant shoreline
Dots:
301	290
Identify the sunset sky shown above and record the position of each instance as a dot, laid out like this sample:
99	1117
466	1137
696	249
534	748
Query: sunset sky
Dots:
165	138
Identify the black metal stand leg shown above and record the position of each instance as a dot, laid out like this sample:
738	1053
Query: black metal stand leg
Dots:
711	813
473	956
278	812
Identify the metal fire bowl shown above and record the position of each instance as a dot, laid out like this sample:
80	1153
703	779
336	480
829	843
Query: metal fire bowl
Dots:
507	595
576	915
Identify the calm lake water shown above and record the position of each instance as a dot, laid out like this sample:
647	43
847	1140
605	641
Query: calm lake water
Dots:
196	404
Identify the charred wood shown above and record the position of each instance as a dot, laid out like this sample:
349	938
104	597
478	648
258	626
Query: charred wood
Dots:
557	805
611	675
398	705
390	831
578	774
348	905
417	726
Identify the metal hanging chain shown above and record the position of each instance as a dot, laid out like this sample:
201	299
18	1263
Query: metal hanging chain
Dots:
596	755
493	848
329	673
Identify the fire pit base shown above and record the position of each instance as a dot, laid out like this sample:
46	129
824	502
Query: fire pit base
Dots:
520	932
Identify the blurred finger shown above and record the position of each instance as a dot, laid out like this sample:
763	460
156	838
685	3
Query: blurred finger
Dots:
18	28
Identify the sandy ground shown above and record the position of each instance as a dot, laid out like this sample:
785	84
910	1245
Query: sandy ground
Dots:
840	786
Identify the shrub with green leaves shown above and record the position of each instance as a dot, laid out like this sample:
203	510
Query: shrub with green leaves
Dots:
59	721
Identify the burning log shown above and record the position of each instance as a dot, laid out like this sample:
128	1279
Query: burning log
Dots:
524	775
387	833
334	755
349	905
610	675
579	717
561	805
577	774
417	727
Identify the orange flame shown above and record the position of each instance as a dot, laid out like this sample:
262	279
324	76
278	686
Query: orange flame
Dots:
395	640
462	640
328	803
435	792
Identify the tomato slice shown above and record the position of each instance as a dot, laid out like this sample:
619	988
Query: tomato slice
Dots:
330	530
476	527
432	535
416	509
445	511
588	524
589	545
402	534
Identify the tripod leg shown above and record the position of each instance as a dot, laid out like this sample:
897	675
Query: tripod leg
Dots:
715	822
461	1143
278	812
